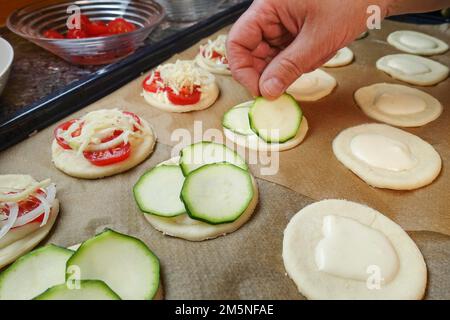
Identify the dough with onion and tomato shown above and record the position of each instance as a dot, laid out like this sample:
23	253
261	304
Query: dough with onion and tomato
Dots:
337	249
180	87
102	143
213	56
28	210
175	201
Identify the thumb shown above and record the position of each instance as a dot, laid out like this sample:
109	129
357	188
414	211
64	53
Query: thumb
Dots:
299	57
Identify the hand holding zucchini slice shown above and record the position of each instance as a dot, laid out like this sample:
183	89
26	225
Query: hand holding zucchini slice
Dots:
275	121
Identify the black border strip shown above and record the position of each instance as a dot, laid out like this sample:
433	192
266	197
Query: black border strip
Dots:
106	80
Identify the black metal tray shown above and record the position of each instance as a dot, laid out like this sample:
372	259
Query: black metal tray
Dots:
79	94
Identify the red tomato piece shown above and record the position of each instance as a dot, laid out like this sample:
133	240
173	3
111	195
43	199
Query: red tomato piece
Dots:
26	206
184	97
97	29
52	34
136	118
76	34
64	126
84	21
151	87
120	25
109	156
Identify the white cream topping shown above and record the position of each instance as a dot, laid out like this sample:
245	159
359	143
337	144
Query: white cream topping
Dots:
417	41
408	66
382	152
351	250
400	103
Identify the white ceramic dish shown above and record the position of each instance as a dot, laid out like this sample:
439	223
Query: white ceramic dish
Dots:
6	59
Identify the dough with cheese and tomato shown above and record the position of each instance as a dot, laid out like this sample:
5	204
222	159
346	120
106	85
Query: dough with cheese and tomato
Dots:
102	143
213	56
28	210
180	87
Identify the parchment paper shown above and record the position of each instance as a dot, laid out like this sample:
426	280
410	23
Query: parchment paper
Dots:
248	263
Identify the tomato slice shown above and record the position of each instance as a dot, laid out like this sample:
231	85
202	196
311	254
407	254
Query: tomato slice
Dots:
63	127
97	28
136	118
76	34
110	156
84	21
26	206
184	97
151	87
120	25
52	34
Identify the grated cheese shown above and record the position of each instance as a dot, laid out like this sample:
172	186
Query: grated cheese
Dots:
181	74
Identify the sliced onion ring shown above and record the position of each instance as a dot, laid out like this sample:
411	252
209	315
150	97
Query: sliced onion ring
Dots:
12	216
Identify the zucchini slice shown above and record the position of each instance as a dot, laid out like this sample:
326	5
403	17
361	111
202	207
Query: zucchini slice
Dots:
88	290
158	191
275	121
199	154
34	273
217	193
123	262
236	119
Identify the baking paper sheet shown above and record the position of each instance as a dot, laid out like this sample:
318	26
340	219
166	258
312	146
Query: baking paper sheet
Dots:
248	264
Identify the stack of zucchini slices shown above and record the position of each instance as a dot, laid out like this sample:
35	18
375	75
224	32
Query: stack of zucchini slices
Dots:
266	125
206	192
109	266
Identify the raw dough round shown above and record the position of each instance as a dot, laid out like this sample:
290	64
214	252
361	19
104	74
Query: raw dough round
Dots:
398	105
208	97
422	164
304	232
184	227
18	248
342	58
69	162
253	142
417	43
413	69
312	86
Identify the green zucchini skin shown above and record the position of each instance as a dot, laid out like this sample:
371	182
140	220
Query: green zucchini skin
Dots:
258	132
107	235
61	292
138	194
185	166
36	260
188	205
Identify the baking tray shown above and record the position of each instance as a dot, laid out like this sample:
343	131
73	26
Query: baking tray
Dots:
79	94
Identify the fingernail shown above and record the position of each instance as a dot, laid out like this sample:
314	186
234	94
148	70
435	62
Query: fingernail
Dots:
273	87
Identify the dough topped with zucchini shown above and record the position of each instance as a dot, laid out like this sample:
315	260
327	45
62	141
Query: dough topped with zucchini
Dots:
102	143
206	192
180	87
264	125
109	266
212	56
28	210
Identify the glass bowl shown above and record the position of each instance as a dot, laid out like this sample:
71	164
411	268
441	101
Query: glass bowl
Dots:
190	10
32	20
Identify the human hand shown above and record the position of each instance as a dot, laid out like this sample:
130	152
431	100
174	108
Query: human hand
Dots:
276	41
